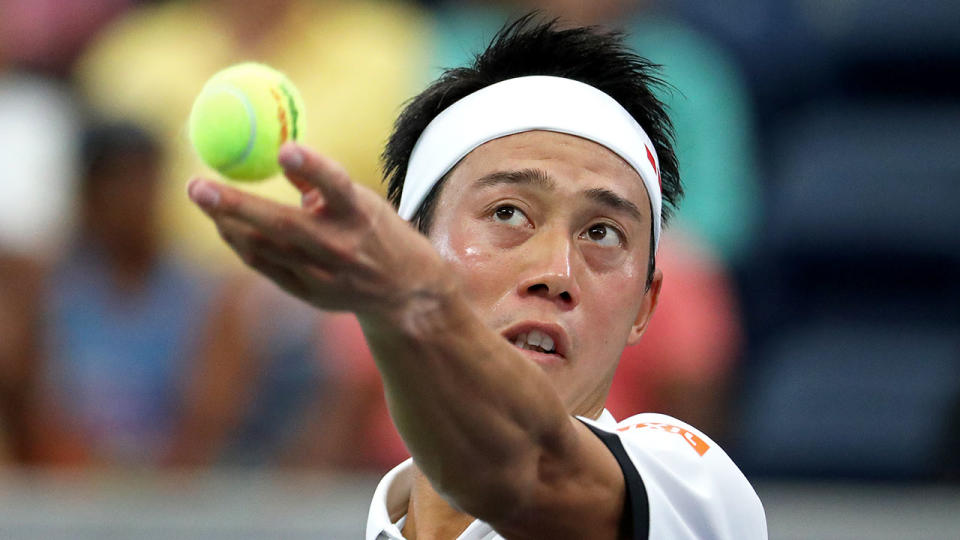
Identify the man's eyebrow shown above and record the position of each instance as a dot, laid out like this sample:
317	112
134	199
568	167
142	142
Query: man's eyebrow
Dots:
532	177
540	178
615	202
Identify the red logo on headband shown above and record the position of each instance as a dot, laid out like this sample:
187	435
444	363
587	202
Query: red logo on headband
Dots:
653	163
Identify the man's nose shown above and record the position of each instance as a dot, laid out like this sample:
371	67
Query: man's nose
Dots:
550	269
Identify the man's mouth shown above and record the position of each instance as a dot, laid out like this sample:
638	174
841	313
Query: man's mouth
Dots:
547	340
535	340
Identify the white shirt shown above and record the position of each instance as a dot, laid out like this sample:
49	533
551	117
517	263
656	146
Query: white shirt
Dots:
680	485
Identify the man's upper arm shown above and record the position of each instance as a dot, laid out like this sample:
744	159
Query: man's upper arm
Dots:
651	476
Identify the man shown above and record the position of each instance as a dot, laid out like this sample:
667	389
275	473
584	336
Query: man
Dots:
535	181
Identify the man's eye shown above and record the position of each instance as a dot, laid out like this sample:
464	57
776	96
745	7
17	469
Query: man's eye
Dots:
509	215
603	235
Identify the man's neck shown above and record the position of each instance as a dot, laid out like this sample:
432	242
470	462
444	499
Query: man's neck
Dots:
429	516
592	405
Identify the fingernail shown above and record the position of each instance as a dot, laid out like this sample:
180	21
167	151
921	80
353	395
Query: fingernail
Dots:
291	157
204	194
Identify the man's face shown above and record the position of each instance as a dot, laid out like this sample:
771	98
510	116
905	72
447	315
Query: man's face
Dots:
551	235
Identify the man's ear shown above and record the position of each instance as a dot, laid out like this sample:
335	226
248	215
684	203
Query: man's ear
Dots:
647	307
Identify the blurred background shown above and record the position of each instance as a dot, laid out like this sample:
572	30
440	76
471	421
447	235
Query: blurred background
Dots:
151	386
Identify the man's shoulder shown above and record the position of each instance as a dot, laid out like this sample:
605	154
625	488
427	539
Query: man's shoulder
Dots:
691	485
662	431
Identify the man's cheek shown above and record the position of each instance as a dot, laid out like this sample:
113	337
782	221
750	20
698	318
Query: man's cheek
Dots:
609	324
479	270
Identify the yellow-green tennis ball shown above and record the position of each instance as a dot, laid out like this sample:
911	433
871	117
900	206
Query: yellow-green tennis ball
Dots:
242	116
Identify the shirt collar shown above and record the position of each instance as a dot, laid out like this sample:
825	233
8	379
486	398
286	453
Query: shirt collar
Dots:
390	502
607	420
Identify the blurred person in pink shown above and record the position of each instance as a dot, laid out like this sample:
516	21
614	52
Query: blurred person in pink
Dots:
47	35
683	364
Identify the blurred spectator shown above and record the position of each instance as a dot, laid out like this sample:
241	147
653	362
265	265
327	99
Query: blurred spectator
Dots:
39	127
713	117
355	62
856	374
349	427
121	318
248	404
19	318
38	130
853	301
47	35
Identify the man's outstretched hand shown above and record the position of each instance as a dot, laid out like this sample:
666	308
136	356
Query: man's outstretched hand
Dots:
345	248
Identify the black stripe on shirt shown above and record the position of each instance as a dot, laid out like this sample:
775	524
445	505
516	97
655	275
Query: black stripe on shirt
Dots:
636	521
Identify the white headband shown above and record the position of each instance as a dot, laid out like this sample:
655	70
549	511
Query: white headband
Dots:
527	104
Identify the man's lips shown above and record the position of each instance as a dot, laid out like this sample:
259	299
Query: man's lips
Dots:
540	337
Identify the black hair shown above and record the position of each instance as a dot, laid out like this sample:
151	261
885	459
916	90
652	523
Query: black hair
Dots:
529	46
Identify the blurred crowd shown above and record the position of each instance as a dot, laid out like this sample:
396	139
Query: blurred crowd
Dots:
810	315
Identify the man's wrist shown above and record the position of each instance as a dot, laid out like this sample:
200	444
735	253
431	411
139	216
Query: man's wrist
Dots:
432	302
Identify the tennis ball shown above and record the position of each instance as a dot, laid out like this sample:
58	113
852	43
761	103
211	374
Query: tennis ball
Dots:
242	116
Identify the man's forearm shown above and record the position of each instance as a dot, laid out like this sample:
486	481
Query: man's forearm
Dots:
474	412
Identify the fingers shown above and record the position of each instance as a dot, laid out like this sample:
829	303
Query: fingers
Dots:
283	276
332	252
303	166
287	265
285	223
310	198
269	223
302	187
241	239
249	244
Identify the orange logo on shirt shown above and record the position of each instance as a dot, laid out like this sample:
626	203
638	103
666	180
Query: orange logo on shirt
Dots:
692	439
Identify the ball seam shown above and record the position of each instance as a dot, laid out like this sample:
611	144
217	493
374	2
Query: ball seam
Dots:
252	117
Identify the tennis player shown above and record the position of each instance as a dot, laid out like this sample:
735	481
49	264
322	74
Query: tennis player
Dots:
532	188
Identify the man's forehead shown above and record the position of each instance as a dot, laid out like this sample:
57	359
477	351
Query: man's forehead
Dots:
549	145
550	161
